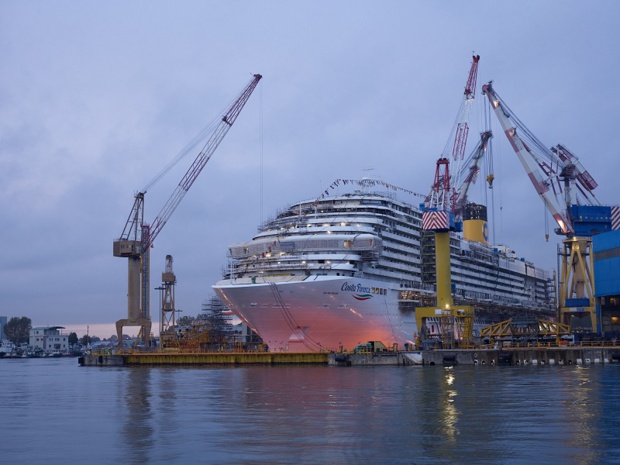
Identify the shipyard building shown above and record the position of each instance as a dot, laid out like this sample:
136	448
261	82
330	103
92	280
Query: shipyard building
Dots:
607	277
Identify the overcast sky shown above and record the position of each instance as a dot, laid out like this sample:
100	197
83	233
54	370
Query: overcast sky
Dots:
96	97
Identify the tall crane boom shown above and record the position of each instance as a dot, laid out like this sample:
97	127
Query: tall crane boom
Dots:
138	237
443	194
462	128
470	87
578	213
469	172
439	217
199	163
531	163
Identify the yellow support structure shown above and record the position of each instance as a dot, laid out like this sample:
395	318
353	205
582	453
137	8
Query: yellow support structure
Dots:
443	270
464	317
457	324
538	327
576	287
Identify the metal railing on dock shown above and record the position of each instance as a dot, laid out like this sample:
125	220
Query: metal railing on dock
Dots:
549	344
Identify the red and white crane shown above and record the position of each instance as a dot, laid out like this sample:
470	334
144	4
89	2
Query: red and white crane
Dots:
443	195
566	189
462	127
469	173
556	174
138	237
439	217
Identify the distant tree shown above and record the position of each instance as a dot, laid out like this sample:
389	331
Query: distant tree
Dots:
86	339
73	339
17	330
186	320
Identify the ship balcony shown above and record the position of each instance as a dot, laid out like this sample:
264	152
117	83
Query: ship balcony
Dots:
310	266
307	244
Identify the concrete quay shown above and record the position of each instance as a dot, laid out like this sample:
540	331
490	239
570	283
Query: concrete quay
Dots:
484	357
523	356
440	357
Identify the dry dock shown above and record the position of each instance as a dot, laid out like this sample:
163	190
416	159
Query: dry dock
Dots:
482	357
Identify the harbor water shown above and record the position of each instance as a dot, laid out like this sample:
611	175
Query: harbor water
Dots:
53	411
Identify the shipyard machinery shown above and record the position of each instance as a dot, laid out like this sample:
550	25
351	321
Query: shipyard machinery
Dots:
525	329
138	237
441	215
167	319
566	189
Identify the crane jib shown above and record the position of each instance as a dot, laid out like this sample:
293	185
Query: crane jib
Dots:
138	237
202	159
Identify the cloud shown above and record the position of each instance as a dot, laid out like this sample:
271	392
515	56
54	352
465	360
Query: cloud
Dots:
97	97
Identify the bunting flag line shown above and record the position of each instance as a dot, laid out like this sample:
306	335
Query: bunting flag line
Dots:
368	183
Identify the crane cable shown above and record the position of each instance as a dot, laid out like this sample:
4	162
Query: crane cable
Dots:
192	144
489	169
546	213
261	151
202	135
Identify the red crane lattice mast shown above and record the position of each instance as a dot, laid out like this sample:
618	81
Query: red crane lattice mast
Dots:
443	194
462	128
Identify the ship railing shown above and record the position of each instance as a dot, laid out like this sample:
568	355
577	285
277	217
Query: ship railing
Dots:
305	266
427	287
549	344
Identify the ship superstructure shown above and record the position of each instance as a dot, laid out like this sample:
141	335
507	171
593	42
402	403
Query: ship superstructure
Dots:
331	272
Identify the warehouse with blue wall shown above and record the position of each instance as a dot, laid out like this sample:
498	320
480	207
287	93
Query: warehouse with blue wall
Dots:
606	248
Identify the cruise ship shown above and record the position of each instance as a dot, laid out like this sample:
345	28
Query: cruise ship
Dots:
346	268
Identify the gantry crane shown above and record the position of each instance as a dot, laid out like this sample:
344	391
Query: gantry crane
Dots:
565	188
138	237
440	217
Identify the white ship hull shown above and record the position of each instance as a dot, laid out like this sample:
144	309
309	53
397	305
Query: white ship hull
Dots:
327	313
336	271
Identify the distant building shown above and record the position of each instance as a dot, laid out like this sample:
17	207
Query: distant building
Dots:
3	321
49	339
